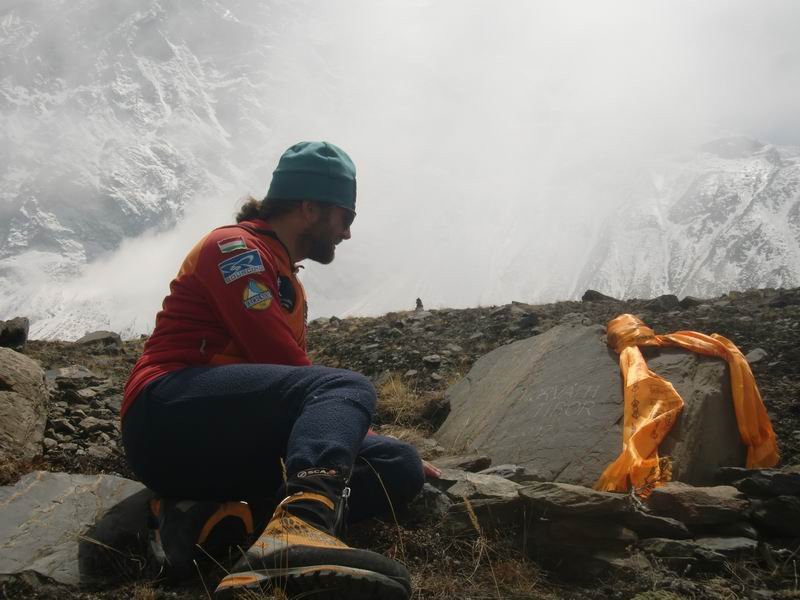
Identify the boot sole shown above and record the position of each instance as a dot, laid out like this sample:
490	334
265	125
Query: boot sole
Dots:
321	582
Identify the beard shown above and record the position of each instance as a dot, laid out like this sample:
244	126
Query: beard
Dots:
319	246
322	251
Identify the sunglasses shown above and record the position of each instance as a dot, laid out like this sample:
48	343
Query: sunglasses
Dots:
348	217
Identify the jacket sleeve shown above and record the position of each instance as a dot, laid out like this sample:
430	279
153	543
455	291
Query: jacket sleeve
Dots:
243	288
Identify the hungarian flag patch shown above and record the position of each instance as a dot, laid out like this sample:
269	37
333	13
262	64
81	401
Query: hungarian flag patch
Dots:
231	245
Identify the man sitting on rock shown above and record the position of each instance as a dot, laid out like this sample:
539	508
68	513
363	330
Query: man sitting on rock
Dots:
224	405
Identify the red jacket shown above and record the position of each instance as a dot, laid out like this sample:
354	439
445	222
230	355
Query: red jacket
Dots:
236	299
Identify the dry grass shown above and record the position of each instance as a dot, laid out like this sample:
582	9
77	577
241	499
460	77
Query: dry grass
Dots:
399	404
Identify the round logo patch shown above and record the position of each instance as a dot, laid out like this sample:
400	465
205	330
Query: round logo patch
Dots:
256	295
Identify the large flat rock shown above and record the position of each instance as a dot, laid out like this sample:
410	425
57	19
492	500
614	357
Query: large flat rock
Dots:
553	404
72	529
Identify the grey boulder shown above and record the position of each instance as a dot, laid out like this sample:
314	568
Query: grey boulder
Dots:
23	407
553	404
73	529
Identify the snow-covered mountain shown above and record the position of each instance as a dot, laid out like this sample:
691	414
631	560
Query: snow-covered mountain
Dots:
129	128
114	116
727	218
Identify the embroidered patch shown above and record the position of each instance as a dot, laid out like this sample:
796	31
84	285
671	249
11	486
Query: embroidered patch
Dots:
256	295
286	293
241	265
233	244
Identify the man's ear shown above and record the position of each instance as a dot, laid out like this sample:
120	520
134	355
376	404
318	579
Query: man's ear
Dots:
309	210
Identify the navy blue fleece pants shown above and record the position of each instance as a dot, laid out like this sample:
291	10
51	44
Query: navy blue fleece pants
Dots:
219	433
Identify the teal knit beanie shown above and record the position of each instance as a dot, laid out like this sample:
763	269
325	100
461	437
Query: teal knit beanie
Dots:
315	171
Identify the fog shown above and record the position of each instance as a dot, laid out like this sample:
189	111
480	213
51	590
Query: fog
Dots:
491	139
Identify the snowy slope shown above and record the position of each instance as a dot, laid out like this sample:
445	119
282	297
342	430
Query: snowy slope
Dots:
112	120
725	219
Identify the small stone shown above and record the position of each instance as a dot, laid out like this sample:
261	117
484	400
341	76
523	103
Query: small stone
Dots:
432	360
86	393
475	486
63	426
101	338
470	462
99	452
91	424
647	525
436	377
595	296
551	498
756	355
664	303
49	443
515	473
690	302
698	505
411	373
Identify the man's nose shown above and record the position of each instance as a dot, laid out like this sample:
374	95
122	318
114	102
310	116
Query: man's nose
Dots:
346	234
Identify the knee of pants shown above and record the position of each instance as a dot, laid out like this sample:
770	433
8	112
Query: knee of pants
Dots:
361	387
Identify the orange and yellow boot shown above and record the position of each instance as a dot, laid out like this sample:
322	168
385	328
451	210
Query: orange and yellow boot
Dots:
300	552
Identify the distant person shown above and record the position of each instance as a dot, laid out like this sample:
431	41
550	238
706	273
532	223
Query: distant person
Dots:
419	306
224	398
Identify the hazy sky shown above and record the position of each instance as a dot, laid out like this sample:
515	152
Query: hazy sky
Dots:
490	138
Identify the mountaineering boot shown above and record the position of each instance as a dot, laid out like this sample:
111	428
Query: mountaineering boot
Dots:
300	552
183	532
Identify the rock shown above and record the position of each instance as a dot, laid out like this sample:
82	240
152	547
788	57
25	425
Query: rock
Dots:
756	355
780	515
14	333
526	404
514	473
595	296
23	407
698	505
72	377
591	529
691	302
92	424
49	443
432	360
63	426
761	482
728	530
430	503
491	514
471	462
664	303
669	548
553	404
100	338
550	498
785	298
705	436
73	529
100	452
474	486
735	548
647	525
576	563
